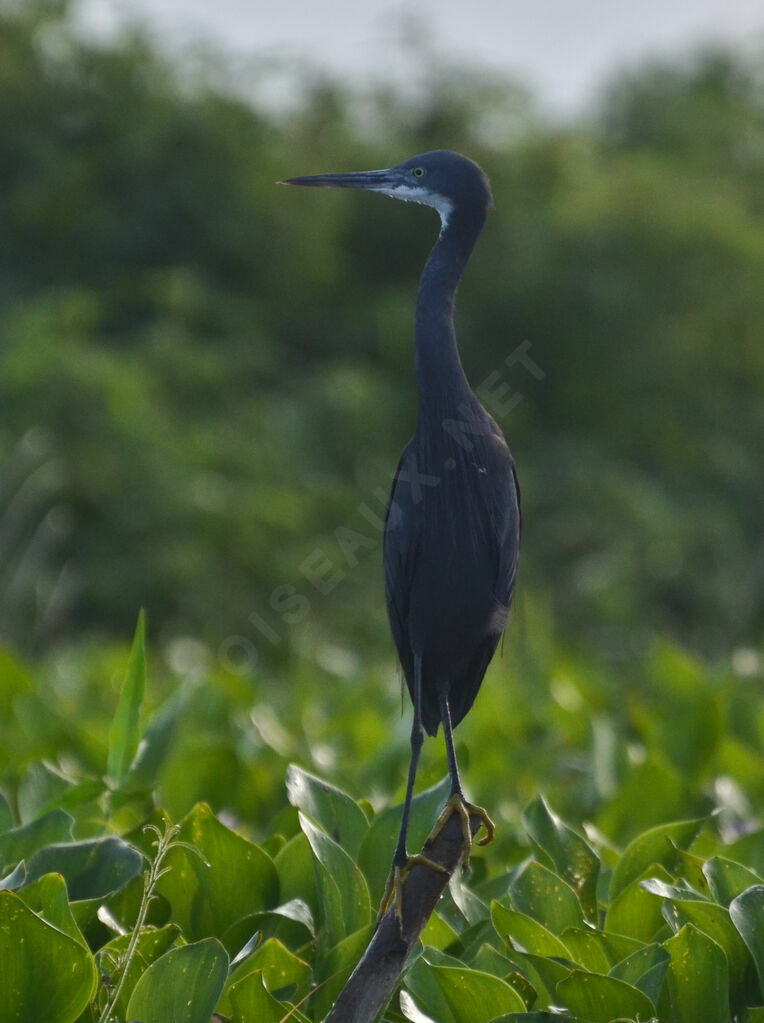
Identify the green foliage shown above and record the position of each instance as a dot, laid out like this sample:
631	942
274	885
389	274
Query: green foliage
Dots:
205	379
666	924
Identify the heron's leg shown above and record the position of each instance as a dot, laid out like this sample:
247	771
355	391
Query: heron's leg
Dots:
457	803
402	862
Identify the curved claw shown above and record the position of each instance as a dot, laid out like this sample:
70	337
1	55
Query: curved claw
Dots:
458	804
395	879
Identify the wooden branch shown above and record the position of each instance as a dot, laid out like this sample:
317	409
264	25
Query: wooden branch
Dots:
373	981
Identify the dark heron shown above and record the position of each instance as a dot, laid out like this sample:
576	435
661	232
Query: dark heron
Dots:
452	535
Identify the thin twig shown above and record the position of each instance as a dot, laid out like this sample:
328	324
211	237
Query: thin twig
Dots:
373	981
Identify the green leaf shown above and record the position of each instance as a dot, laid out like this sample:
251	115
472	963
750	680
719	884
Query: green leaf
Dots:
570	854
93	869
523	932
341	817
183	985
727	879
249	1001
645	969
747	913
48	897
376	853
6	817
653	846
476	997
44	973
602	999
152	943
598	951
344	897
438	933
296	872
43	789
332	970
20	843
233	880
698	979
635	913
125	731
541	894
280	968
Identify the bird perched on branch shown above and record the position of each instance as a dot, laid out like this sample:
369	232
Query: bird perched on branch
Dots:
452	532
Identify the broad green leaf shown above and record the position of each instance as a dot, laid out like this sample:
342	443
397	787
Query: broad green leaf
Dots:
43	788
280	968
422	984
375	856
411	1010
438	933
44	973
249	1001
541	894
523	932
340	816
125	731
545	974
749	850
291	923
49	898
635	913
233	880
152	943
476	997
645	969
156	743
93	869
345	903
570	854
602	999
183	985
697	979
726	879
598	951
22	842
747	913
653	846
6	817
296	873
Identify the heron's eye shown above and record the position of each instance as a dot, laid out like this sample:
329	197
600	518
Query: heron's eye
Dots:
419	172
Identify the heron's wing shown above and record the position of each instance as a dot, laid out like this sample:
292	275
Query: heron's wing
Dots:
400	543
507	522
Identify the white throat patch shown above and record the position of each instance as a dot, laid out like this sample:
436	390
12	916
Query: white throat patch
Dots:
415	193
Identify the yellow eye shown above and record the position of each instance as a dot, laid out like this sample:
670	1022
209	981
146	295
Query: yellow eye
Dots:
419	172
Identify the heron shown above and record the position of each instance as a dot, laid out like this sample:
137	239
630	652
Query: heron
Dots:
452	529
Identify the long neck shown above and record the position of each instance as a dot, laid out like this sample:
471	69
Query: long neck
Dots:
440	377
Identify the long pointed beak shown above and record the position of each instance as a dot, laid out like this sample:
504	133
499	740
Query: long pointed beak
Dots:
374	181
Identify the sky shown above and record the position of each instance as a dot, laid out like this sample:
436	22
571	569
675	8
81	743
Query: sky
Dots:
562	50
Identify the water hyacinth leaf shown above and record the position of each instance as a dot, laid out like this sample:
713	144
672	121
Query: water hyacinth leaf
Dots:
543	895
438	933
570	854
183	985
339	815
727	879
15	879
378	845
523	932
125	731
291	923
635	913
344	896
747	914
22	842
476	997
279	967
598	951
44	973
653	846
231	878
296	873
248	1000
48	896
152	943
154	747
749	850
645	970
601	999
6	817
422	984
411	1011
697	979
93	869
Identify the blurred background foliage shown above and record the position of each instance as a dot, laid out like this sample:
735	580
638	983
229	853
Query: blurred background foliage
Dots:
203	377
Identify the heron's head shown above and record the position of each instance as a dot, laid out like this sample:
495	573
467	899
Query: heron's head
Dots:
441	179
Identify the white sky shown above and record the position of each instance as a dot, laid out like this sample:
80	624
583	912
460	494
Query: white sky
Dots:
561	48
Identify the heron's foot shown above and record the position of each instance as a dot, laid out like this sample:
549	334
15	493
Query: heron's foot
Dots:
394	885
458	804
